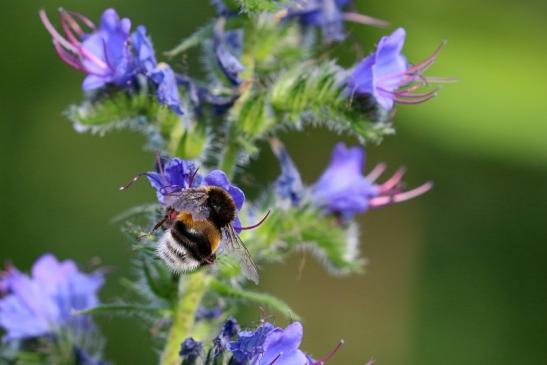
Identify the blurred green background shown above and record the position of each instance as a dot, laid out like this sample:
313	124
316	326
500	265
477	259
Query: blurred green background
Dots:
455	277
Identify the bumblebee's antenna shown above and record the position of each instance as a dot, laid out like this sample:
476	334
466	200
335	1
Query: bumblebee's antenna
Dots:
132	181
257	224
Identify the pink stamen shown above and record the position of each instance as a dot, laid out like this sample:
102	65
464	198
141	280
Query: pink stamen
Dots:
365	19
329	355
72	22
408	100
83	19
93	58
56	36
422	66
257	224
67	58
65	23
409	95
400	197
392	181
376	172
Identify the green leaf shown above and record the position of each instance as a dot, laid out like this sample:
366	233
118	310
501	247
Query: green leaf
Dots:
288	229
139	112
251	296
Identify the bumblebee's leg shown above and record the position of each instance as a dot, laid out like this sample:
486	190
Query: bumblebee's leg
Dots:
209	260
156	227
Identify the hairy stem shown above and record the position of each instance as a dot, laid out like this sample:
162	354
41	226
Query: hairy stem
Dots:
191	291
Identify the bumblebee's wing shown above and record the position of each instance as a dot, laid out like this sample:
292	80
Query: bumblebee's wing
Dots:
192	201
236	247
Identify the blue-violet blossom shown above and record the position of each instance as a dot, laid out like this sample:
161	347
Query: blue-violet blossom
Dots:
110	54
329	16
175	174
44	303
342	189
388	77
273	345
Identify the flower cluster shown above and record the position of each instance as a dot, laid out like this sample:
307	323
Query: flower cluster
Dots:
388	78
45	304
266	72
342	189
265	345
111	55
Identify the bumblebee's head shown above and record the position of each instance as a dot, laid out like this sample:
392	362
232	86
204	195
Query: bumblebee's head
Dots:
221	206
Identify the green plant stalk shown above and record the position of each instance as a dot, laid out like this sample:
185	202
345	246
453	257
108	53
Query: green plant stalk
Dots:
191	291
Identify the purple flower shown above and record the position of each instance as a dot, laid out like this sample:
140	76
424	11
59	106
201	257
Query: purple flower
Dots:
166	86
44	303
145	54
111	54
329	16
226	46
103	54
191	350
288	184
343	190
267	344
175	174
386	75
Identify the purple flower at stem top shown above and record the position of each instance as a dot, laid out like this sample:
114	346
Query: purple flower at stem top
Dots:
44	303
329	16
174	174
111	55
342	189
387	76
269	345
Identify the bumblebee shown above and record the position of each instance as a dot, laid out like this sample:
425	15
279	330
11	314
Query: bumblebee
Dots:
197	221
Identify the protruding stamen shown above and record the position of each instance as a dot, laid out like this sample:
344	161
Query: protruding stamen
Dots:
330	354
82	18
376	172
56	36
191	181
400	197
66	57
69	25
257	224
392	181
365	19
93	58
132	181
416	100
422	66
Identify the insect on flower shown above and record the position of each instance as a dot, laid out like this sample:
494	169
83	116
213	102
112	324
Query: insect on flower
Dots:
198	217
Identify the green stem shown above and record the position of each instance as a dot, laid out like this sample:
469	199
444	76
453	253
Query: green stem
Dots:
191	291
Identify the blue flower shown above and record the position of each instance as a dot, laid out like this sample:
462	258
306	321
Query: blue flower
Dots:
342	188
387	77
329	16
191	350
166	87
226	46
175	174
102	54
146	56
44	303
221	343
288	184
111	54
267	344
